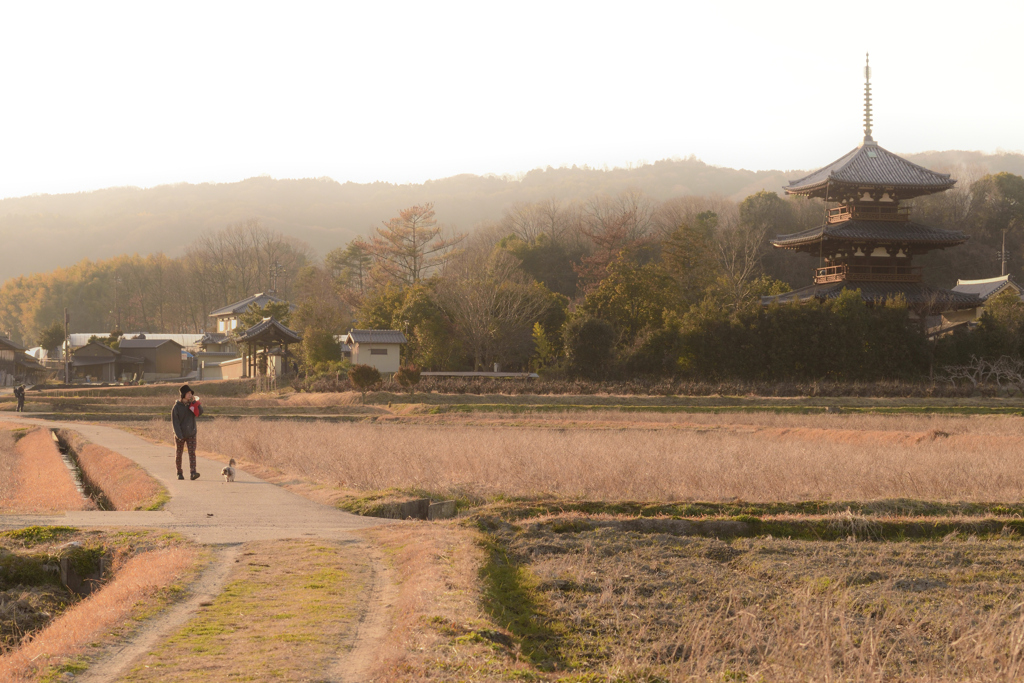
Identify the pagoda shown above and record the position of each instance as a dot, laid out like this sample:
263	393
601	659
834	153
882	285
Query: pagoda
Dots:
868	241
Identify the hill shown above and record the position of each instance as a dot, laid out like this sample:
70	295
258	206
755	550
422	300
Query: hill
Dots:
48	231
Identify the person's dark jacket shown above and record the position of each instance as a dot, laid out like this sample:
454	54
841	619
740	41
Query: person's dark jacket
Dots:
183	420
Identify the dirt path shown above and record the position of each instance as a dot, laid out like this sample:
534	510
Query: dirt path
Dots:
212	512
117	660
356	665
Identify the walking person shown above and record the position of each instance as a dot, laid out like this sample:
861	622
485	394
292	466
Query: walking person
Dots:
183	417
19	393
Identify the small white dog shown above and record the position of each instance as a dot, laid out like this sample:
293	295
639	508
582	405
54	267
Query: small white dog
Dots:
229	472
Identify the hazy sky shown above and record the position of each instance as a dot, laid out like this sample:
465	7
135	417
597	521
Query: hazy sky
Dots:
100	94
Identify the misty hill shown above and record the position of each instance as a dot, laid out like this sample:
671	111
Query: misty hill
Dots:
42	232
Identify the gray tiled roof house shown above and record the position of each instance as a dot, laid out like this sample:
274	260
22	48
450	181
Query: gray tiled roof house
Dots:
376	337
987	288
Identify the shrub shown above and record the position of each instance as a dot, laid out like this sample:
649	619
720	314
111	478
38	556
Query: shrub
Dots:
588	346
408	376
363	378
320	346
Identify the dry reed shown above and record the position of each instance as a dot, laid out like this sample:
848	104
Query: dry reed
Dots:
41	480
139	578
753	458
126	485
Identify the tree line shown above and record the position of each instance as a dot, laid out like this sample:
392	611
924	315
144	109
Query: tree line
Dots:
611	286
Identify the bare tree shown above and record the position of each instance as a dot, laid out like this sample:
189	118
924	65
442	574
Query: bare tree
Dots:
491	301
320	305
410	246
529	221
631	212
1007	372
672	213
241	260
740	249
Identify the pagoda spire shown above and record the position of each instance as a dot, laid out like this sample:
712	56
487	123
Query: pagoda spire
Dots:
867	98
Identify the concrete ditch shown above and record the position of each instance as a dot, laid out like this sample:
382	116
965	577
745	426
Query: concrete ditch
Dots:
87	488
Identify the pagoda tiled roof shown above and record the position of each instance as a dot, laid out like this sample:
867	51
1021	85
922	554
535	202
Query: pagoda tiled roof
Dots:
873	231
917	294
872	166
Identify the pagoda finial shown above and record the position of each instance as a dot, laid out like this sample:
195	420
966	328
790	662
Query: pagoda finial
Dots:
867	98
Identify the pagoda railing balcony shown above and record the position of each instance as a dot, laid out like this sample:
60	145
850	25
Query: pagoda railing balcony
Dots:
868	213
853	273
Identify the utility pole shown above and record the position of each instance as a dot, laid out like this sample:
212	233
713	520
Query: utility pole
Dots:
117	305
67	349
276	270
1002	256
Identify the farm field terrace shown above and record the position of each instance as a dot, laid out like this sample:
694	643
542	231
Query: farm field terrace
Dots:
612	545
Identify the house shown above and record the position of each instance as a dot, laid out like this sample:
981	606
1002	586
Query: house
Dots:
226	318
162	358
9	353
378	348
98	362
216	350
985	290
30	370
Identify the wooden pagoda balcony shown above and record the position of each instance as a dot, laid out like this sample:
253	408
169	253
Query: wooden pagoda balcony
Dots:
868	213
852	273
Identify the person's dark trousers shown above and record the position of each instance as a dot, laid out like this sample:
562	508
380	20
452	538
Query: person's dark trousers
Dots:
179	446
21	405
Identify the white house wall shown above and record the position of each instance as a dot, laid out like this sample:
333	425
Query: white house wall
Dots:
385	363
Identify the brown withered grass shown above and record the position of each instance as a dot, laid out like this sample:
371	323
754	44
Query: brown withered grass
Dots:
40	481
634	604
126	485
753	457
8	466
69	634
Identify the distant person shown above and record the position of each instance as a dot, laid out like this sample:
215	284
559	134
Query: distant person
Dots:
19	393
183	417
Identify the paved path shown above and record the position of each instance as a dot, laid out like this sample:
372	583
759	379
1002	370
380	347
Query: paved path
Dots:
210	511
207	510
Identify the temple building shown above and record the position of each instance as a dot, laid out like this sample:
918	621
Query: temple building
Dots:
868	241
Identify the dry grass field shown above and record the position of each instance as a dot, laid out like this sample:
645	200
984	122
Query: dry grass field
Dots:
627	602
137	580
39	480
659	457
582	598
8	466
124	484
45	630
516	590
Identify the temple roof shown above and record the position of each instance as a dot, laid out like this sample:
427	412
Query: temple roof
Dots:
918	295
902	232
871	166
989	287
269	331
261	300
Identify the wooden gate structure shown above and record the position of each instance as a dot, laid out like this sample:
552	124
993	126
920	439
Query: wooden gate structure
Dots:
261	341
